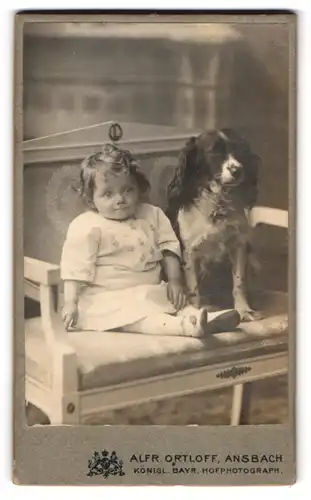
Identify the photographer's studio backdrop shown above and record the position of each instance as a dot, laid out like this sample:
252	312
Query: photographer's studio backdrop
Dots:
162	83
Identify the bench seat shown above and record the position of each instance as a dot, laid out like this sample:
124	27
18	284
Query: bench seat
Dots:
109	358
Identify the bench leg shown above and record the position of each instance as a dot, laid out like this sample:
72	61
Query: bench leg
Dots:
241	404
66	411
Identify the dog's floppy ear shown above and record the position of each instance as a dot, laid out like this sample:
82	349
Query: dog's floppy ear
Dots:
180	190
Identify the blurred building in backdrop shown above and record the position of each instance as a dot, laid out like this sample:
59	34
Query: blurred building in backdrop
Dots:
183	75
80	74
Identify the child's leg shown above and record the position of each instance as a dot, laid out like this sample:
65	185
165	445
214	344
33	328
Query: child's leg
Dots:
189	322
165	324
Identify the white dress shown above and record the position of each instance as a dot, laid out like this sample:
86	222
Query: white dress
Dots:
120	263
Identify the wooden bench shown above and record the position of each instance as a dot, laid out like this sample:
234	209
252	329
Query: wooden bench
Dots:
73	375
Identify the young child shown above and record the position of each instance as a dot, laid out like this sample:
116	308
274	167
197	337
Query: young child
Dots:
114	253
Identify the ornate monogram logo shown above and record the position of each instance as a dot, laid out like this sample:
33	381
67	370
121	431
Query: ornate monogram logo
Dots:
104	465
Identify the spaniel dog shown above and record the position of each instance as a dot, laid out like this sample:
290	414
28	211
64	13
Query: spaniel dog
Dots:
214	187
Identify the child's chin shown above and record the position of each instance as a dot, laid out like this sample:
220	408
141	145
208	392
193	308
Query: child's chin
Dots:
120	215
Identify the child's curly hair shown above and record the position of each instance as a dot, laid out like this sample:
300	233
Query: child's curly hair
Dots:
115	160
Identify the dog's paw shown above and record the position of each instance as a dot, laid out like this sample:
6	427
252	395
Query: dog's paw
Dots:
248	315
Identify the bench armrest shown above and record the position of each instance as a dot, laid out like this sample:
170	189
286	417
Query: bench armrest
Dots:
41	280
268	216
41	272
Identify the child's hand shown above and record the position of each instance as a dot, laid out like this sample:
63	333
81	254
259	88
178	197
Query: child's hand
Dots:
70	314
176	295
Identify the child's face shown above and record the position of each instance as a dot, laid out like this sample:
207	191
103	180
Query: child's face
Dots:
115	196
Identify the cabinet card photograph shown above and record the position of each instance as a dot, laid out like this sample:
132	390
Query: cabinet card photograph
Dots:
154	237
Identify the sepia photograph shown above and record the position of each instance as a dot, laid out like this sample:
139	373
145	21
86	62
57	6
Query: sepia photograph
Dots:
156	208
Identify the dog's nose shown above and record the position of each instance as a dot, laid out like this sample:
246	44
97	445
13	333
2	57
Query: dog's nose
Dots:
235	169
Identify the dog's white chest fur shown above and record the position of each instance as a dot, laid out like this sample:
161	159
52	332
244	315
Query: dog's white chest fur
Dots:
212	239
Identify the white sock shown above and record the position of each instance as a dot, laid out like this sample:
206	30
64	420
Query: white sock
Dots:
187	325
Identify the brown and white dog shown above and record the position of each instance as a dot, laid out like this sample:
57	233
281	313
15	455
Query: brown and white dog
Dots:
213	188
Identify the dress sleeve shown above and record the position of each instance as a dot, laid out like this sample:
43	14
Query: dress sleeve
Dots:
166	237
80	250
